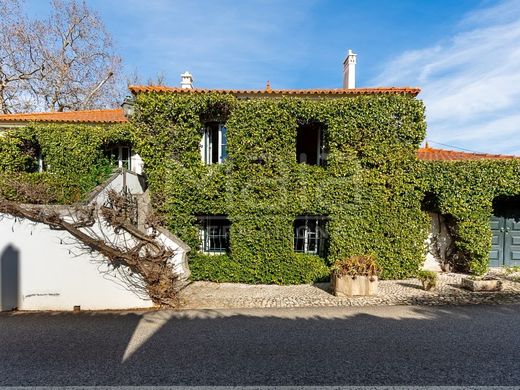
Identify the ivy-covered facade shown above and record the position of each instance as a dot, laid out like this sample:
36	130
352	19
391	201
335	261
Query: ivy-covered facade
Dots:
272	187
302	181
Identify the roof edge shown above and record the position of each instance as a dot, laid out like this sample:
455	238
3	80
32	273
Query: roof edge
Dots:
414	91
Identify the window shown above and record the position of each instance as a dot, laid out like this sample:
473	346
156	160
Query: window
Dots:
310	235
214	143
309	144
41	162
120	155
214	234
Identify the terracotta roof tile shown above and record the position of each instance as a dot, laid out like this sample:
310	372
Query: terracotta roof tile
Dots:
268	91
87	116
431	154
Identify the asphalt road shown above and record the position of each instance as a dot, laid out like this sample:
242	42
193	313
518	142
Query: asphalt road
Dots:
465	345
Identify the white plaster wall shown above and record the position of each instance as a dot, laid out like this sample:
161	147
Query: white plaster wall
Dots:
39	269
133	184
51	278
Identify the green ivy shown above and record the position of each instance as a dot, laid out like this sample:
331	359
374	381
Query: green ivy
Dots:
372	189
73	156
368	190
464	191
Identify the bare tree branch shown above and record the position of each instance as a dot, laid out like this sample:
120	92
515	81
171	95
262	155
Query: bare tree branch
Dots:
138	255
65	62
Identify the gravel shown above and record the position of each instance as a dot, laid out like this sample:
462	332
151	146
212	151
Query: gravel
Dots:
210	295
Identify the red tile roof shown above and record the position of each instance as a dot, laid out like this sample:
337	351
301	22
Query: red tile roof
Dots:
431	154
87	116
268	91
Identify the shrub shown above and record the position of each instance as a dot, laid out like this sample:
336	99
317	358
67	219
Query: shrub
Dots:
428	279
299	269
353	266
427	276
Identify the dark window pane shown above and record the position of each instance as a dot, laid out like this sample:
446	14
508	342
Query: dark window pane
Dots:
215	234
309	144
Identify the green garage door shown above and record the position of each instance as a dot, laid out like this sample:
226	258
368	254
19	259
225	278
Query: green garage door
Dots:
505	246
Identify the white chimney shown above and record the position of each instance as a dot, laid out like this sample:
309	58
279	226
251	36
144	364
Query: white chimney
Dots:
186	80
349	71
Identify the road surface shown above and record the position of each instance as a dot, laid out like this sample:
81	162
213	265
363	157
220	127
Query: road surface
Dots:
456	345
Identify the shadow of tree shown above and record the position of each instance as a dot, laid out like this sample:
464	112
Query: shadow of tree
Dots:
452	345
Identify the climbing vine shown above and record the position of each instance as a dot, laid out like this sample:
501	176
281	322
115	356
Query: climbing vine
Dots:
372	189
73	157
367	190
464	191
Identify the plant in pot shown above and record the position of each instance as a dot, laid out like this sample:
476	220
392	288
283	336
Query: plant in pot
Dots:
428	279
355	275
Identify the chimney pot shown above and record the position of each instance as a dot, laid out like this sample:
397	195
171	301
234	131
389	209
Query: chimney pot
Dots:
186	80
349	71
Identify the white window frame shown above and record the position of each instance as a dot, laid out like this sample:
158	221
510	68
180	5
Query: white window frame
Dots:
41	163
206	145
317	236
117	152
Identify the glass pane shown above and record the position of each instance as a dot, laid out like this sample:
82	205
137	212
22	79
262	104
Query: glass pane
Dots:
125	157
223	145
216	235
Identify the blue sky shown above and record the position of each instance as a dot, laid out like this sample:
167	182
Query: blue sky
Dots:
464	54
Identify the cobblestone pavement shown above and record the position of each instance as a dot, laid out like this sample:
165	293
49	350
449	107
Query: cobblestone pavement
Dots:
209	295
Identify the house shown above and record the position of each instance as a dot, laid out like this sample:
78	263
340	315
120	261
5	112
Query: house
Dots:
121	154
270	186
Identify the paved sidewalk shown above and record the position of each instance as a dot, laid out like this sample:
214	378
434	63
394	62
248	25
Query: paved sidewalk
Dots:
209	295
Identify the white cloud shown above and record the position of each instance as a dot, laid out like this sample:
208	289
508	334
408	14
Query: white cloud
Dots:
471	82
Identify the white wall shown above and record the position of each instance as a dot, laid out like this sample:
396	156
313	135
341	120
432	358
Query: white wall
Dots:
51	278
137	164
39	269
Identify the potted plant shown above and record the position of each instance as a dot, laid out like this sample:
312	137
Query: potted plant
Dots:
355	275
428	279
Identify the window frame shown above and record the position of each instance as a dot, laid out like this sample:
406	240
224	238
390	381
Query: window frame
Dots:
207	143
207	237
313	236
115	154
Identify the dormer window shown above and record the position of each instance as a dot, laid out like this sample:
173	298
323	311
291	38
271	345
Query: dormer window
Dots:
309	144
214	143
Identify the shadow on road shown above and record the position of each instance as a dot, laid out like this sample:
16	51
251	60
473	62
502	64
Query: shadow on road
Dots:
463	345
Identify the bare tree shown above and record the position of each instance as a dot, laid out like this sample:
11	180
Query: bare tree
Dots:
140	258
64	62
21	57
